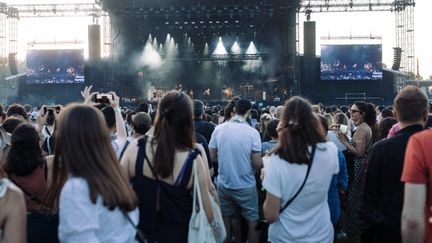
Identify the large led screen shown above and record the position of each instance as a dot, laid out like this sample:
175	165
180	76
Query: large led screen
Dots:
351	62
55	66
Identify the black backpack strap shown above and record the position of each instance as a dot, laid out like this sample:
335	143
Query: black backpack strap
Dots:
303	184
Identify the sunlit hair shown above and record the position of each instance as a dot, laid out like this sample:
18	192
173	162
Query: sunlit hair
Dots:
174	130
83	149
341	119
299	128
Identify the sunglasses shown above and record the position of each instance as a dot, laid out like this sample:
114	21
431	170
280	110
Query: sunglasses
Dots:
353	111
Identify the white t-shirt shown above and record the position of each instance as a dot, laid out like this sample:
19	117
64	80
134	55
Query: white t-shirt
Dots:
307	219
82	221
235	143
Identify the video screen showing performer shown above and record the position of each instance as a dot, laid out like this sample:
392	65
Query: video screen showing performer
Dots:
351	62
55	66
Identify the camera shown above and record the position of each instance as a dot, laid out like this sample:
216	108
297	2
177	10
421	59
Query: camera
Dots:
104	98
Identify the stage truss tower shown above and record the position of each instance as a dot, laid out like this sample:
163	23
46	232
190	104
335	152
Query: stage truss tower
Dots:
13	30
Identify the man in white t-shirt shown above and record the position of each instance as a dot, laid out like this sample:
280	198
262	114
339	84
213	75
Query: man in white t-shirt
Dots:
237	147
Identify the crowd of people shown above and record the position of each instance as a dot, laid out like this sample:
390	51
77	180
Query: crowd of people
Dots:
185	172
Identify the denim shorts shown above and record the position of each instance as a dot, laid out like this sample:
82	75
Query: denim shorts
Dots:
245	199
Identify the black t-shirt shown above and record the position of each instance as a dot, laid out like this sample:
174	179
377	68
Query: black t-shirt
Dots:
204	128
201	140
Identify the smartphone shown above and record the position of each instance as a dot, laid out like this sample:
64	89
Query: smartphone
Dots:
104	98
343	129
52	109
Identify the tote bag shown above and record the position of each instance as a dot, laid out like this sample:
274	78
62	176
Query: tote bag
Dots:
199	227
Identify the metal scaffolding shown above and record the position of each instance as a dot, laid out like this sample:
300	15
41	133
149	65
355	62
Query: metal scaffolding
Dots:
69	10
58	10
404	20
317	6
3	32
13	30
107	36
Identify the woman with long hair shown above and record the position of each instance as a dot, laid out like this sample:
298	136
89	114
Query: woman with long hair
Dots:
161	168
96	203
297	178
26	166
364	116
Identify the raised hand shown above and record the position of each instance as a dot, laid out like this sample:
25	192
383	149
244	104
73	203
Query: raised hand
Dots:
88	95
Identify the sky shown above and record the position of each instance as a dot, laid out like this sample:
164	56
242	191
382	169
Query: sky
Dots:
328	24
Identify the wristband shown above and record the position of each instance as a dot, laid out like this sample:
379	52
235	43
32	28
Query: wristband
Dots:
117	110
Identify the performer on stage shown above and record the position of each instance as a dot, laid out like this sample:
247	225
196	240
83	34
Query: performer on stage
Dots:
207	93
227	92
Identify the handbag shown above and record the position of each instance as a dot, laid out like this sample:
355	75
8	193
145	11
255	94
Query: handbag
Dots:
219	231
199	227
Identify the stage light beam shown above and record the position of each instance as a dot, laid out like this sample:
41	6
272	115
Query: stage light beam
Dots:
235	49
220	48
251	49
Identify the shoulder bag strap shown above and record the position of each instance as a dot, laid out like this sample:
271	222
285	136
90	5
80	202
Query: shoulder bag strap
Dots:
303	184
47	130
147	160
124	148
140	236
48	140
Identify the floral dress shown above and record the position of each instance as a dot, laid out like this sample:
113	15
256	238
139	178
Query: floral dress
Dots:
355	193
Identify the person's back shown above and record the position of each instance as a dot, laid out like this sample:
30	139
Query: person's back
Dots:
297	178
202	127
418	189
237	147
12	213
307	219
235	142
384	192
165	204
160	167
26	166
116	227
89	187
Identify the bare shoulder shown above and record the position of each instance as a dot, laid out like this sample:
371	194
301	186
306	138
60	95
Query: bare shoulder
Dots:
13	195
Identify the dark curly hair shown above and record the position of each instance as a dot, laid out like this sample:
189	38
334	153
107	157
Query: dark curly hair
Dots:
25	154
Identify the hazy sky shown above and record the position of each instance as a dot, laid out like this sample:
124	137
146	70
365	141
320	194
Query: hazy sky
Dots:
333	24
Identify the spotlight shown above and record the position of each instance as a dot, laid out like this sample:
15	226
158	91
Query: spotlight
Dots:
220	48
